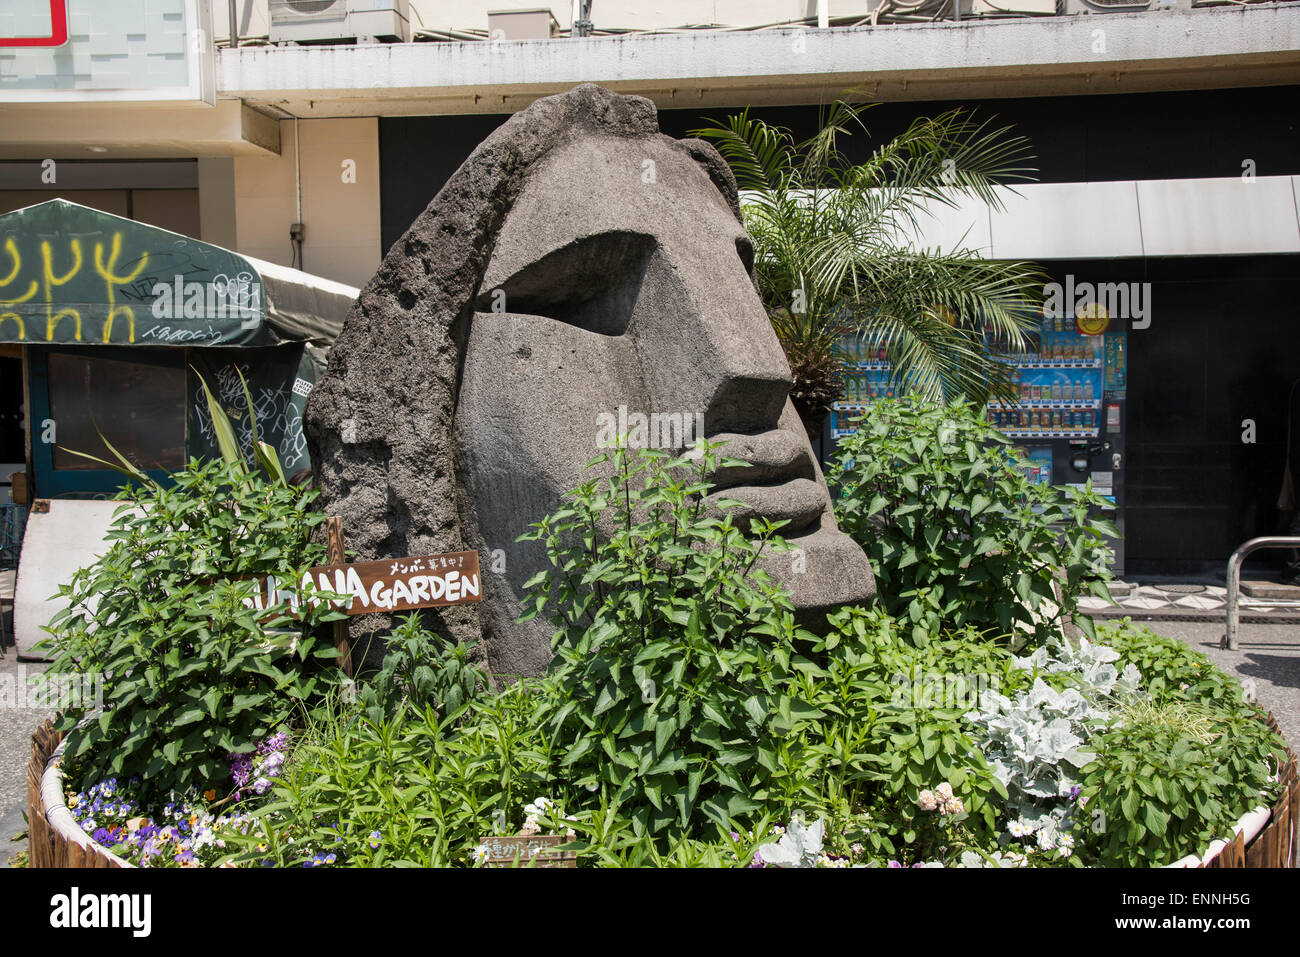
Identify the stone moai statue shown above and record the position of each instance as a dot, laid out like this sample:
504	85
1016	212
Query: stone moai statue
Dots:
578	267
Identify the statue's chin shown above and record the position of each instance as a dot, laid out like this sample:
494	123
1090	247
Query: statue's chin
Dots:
826	570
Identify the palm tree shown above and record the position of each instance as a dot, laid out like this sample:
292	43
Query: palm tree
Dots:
835	252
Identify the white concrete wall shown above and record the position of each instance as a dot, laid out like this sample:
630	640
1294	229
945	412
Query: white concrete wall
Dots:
216	201
1212	48
340	199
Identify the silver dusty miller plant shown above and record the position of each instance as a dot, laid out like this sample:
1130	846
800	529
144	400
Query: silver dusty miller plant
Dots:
799	846
1035	744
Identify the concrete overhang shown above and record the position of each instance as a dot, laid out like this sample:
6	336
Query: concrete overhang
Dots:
135	130
1208	48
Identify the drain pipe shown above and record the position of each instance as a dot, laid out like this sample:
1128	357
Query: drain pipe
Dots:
581	19
234	24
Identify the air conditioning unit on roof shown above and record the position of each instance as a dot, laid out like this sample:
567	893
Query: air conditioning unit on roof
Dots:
997	8
1120	6
325	21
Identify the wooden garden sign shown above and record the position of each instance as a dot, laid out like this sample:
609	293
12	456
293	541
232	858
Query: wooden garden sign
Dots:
387	585
537	850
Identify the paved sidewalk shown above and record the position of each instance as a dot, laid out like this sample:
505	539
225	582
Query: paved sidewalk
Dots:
1267	655
1195	602
16	727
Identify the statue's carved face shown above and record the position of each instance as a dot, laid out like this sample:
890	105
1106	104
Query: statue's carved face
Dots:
620	280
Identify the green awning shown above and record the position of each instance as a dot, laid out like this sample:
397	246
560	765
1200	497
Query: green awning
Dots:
70	274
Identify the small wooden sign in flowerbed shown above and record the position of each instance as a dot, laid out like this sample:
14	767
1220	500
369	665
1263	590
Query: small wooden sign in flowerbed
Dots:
537	850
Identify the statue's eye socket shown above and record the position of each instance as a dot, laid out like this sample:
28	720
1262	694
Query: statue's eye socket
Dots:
592	283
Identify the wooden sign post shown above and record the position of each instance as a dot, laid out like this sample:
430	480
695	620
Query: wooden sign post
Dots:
334	530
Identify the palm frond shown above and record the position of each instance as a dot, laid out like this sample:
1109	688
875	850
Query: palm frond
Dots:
835	253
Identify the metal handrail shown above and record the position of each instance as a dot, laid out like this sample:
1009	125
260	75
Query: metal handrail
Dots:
1234	580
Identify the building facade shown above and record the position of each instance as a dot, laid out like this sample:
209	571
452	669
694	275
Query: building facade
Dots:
1166	135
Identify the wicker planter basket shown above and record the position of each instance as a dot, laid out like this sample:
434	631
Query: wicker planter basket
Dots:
55	839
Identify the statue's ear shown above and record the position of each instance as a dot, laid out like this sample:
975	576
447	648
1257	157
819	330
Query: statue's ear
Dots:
717	168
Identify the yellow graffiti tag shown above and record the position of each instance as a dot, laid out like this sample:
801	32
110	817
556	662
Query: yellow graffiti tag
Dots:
12	249
112	280
53	318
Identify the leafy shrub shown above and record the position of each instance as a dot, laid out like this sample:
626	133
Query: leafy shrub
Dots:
1174	671
415	788
879	743
1156	793
423	788
672	648
189	673
956	534
421	670
1127	770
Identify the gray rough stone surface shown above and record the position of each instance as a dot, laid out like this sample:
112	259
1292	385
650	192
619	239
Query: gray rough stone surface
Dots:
578	262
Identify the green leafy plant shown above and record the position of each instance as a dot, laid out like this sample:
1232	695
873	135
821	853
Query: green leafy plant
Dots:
1161	790
189	669
888	734
1172	670
421	670
956	534
672	647
227	441
416	788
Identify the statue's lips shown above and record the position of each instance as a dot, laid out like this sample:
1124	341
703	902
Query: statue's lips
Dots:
800	502
777	484
773	456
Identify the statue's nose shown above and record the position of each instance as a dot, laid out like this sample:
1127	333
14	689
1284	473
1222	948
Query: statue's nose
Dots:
742	371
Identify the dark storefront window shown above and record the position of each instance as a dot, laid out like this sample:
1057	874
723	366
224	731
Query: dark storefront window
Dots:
139	407
134	397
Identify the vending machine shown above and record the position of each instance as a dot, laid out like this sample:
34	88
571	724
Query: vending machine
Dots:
1067	422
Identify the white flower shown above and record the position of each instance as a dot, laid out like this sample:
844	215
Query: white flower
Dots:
1046	840
480	854
1065	841
539	807
1019	828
